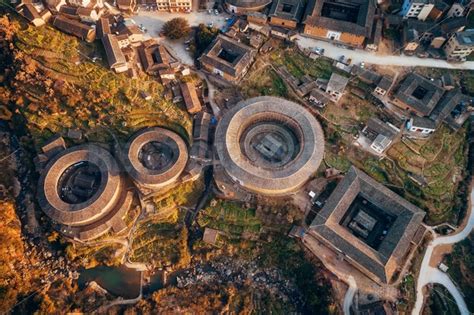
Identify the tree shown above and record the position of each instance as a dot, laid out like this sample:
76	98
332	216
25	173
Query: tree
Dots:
176	28
204	37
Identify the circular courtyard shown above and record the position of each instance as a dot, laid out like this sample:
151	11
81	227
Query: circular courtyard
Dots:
155	157
269	145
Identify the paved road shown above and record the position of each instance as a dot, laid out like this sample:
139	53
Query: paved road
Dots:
153	21
359	56
349	297
429	274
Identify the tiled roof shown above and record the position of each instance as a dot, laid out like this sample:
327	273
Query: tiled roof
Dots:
362	25
426	101
279	9
378	264
244	55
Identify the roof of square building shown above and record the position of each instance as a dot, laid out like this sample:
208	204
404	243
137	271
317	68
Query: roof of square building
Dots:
379	264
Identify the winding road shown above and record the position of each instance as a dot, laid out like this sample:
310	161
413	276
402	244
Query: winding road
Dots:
430	274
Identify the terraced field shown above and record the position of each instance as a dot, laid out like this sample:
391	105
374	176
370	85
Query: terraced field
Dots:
62	88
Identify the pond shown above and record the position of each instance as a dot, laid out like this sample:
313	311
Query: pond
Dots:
118	281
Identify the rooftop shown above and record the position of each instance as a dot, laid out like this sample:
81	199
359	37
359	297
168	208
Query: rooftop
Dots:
419	93
287	9
260	144
371	225
466	38
228	55
354	16
337	83
155	157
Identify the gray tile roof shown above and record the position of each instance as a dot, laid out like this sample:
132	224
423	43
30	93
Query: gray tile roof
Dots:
378	264
337	82
362	25
244	55
419	93
295	12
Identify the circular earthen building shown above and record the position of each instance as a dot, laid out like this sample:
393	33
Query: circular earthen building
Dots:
245	6
81	190
155	157
269	145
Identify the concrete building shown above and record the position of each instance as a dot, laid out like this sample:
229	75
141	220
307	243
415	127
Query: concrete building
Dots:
246	6
457	9
184	6
384	85
267	145
419	9
346	22
336	86
286	13
228	58
420	127
155	158
459	46
370	226
82	191
377	136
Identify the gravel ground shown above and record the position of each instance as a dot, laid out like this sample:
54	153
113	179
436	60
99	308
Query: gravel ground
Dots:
153	21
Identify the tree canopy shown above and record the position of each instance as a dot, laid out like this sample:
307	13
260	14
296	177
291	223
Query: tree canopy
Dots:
176	28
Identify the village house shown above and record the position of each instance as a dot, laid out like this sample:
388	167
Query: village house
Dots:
167	75
134	33
336	86
115	57
369	226
420	127
103	27
153	56
88	15
127	5
174	5
79	3
286	13
35	14
227	58
432	104
200	149
418	95
55	5
73	27
258	18
457	9
190	97
345	22
377	136
384	85
459	46
419	9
